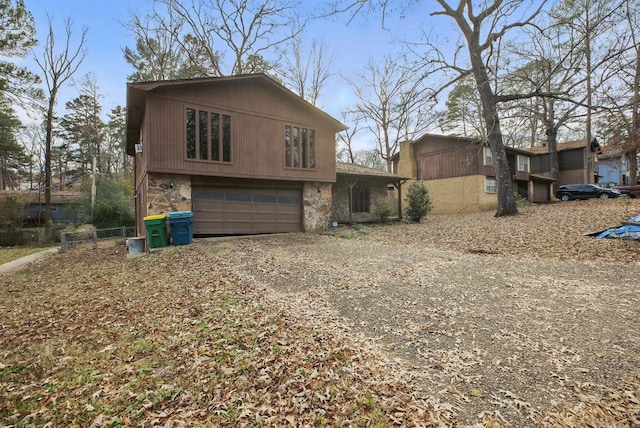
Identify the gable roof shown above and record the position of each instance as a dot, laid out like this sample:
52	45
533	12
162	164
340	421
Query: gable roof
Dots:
137	94
347	168
465	140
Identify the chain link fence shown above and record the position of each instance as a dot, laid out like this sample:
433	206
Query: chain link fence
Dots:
69	239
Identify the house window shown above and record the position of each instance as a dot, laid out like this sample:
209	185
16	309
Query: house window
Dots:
488	156
490	185
523	163
299	147
208	135
360	198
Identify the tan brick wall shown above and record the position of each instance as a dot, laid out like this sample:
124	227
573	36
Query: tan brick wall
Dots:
458	194
407	166
572	176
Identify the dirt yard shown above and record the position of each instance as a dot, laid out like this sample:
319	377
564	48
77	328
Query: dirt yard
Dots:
462	320
505	320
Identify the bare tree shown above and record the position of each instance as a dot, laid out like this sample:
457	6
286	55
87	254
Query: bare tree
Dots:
57	67
347	137
221	37
370	158
306	74
551	58
592	20
32	137
393	103
482	30
621	121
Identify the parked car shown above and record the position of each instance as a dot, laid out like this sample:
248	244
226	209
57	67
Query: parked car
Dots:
629	191
585	191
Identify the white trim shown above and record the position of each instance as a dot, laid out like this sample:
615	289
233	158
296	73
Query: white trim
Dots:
528	163
487	156
490	185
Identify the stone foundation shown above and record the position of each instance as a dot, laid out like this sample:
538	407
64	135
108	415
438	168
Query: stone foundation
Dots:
167	193
317	206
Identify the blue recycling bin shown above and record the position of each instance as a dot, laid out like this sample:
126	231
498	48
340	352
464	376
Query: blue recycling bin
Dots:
181	227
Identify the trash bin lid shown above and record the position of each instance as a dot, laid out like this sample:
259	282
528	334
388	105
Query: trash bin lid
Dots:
179	214
155	217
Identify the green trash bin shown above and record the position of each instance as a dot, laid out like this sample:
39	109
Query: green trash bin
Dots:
156	226
181	227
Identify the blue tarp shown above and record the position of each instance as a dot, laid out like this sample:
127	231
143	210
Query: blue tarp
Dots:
627	231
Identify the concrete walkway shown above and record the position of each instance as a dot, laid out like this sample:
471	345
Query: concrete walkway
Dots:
21	262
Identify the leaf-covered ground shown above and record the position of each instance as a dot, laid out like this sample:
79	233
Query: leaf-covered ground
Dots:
463	320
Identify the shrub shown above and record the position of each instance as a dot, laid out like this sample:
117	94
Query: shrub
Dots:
418	201
383	209
113	205
11	213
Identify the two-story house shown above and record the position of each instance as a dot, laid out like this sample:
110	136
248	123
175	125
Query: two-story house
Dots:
460	175
243	153
577	161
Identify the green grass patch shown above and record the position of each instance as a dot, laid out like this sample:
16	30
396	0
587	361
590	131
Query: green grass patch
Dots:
10	254
348	232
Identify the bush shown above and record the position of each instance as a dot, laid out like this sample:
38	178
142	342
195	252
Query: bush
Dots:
113	204
383	209
418	201
11	213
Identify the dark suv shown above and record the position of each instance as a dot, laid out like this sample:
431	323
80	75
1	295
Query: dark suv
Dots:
585	191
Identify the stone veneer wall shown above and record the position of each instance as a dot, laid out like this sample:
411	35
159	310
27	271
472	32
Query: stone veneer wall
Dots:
162	198
377	192
317	205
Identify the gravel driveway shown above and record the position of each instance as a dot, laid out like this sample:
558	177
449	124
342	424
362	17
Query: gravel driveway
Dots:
498	339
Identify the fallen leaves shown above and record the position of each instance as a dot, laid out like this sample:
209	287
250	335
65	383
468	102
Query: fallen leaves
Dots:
462	320
178	338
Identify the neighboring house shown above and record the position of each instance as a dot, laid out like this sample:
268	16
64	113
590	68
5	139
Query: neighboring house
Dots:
62	210
577	165
243	153
613	167
359	191
460	175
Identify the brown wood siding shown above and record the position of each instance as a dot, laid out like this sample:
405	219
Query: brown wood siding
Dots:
571	159
445	158
258	113
541	163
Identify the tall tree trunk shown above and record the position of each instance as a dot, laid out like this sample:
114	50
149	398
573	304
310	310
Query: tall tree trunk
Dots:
47	164
632	154
589	165
504	186
552	145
